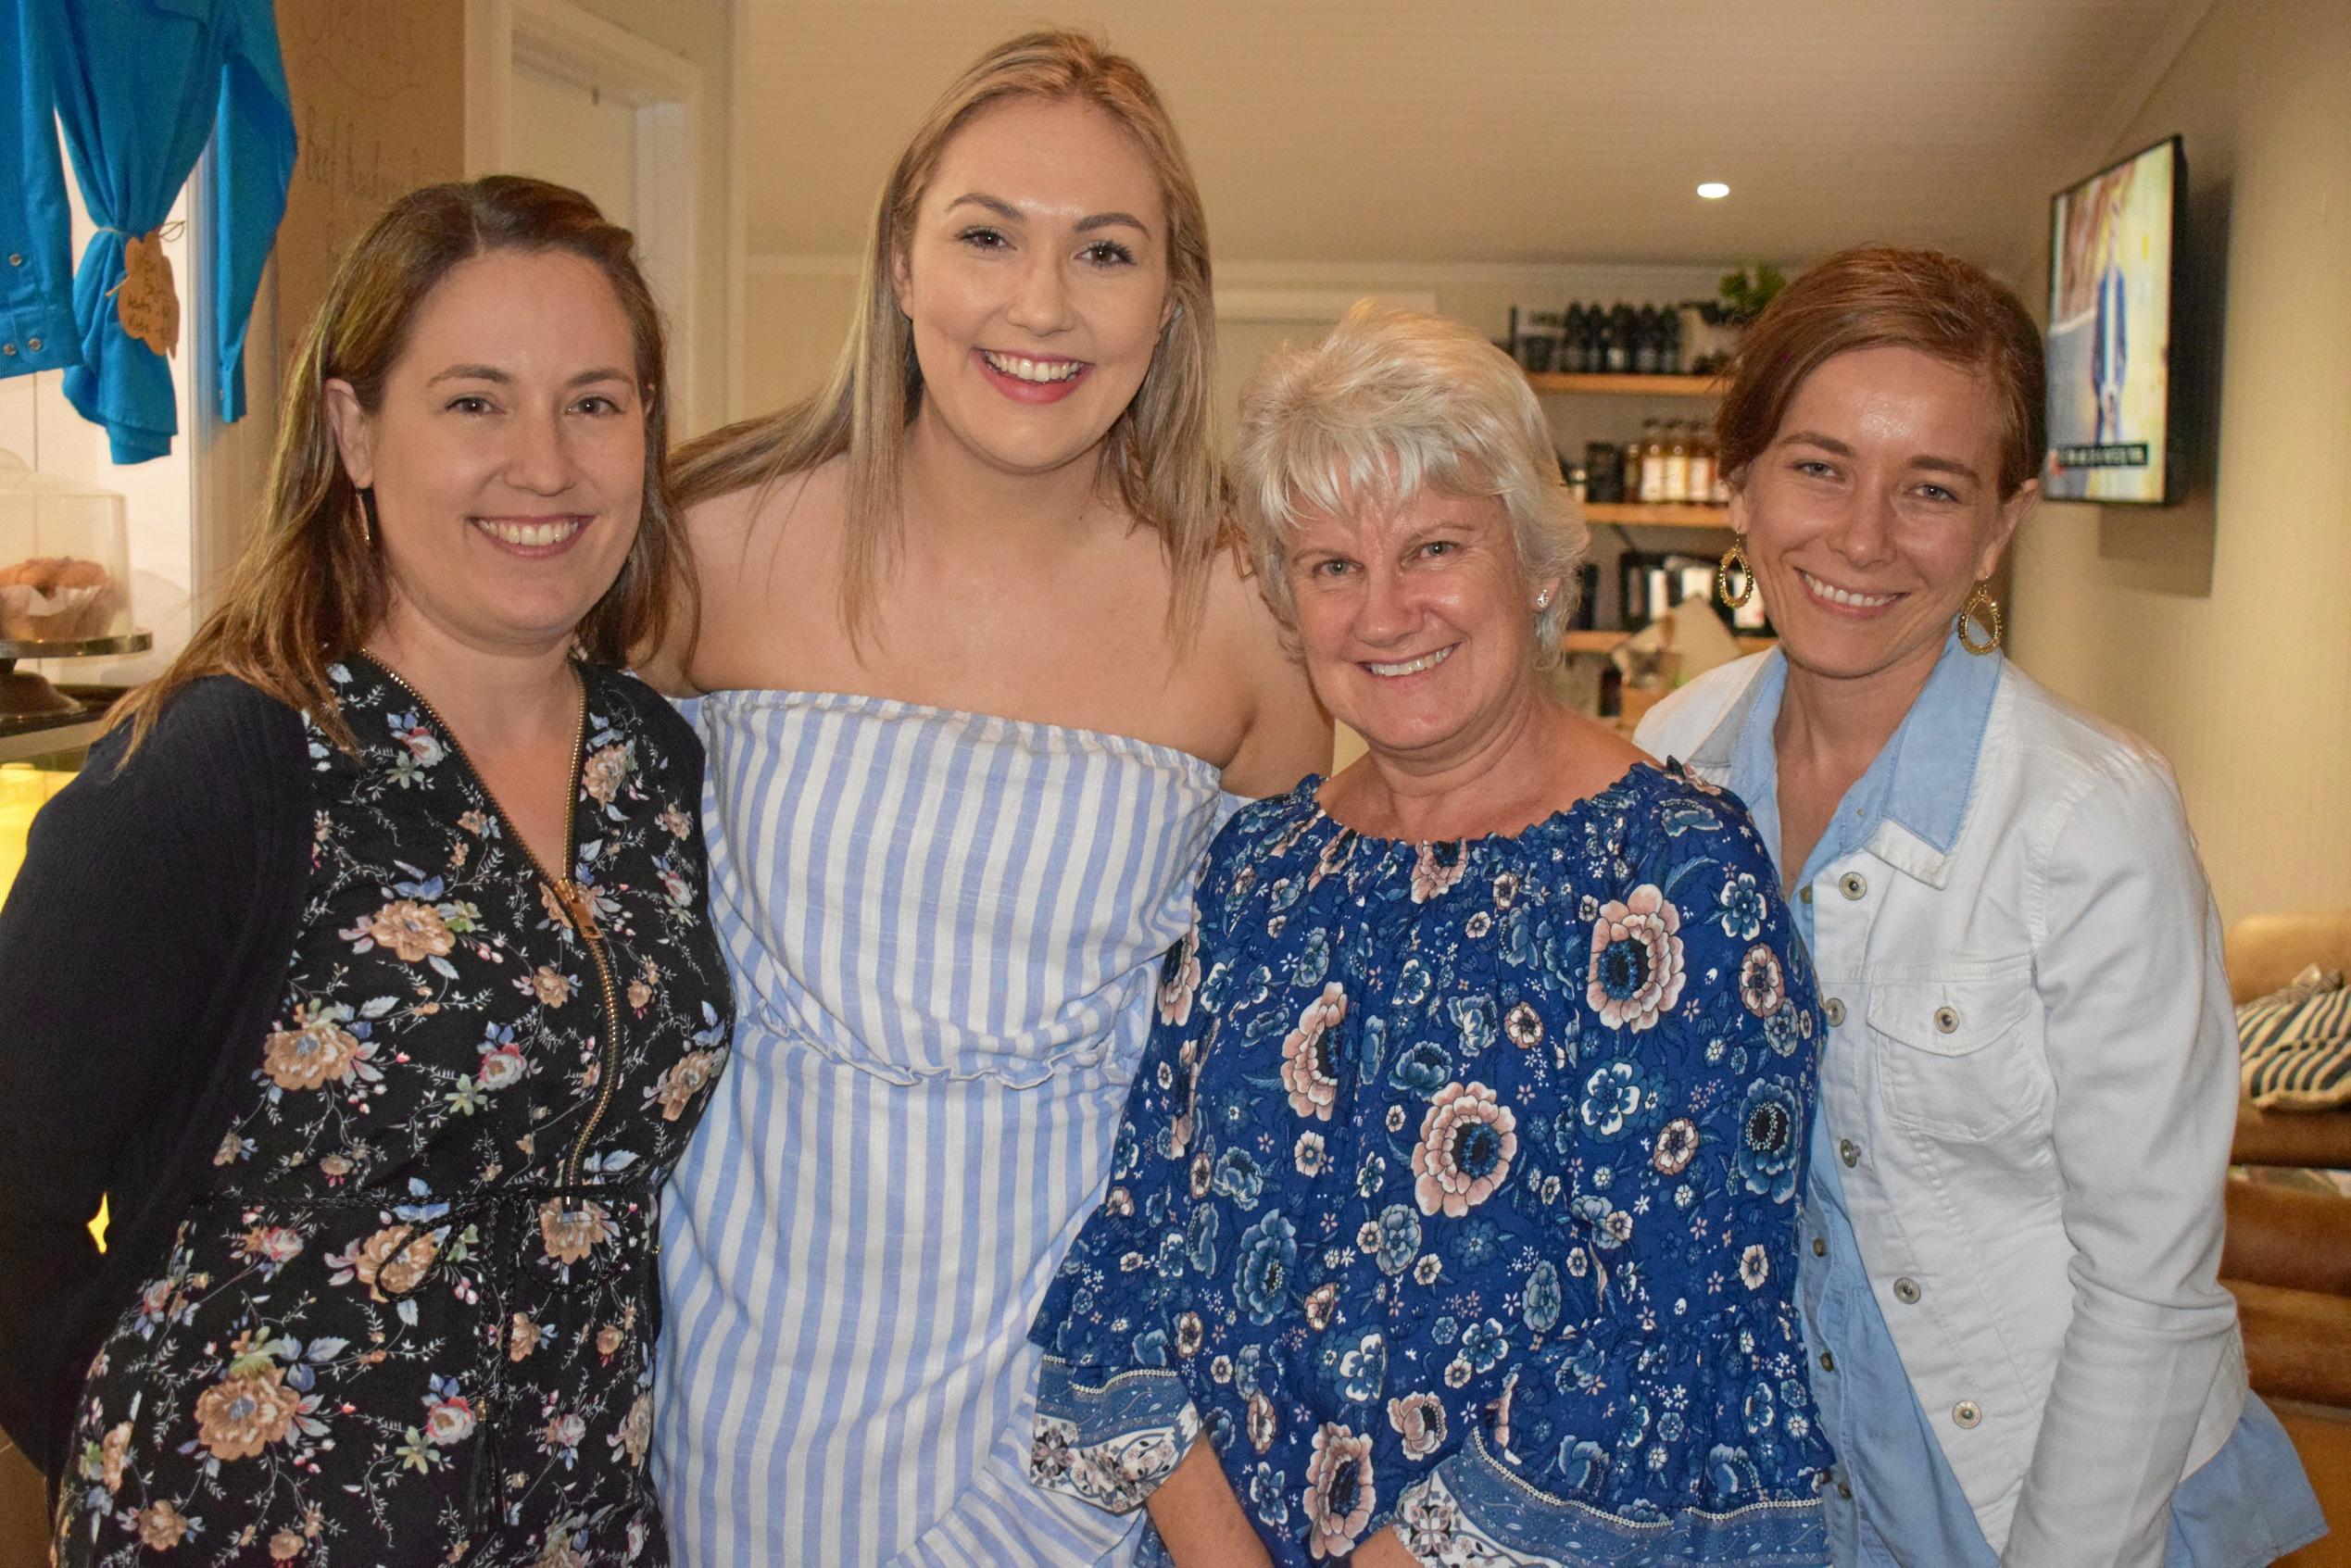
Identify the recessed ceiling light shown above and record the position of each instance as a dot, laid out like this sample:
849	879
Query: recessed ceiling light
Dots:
1714	190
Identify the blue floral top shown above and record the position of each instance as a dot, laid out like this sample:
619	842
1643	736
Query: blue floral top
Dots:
1457	1192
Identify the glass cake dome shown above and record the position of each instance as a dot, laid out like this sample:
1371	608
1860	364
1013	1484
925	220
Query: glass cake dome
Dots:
64	563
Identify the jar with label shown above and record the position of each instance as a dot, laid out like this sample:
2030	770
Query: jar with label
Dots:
1653	464
1676	489
1702	469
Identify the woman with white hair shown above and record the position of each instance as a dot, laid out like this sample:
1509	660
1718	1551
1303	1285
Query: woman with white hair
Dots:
1454	1201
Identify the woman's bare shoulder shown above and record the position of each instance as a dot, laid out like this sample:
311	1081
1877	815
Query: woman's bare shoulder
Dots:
1288	734
735	545
1233	615
717	524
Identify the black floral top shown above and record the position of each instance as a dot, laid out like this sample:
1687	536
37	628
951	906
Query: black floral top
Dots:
411	1320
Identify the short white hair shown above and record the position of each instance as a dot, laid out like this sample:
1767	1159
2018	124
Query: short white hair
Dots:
1391	401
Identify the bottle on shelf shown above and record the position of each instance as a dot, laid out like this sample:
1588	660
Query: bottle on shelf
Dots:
1653	464
1630	482
1622	329
1603	472
1702	467
1645	357
1675	489
1571	342
1669	357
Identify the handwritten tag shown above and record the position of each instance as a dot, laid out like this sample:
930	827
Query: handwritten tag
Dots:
145	302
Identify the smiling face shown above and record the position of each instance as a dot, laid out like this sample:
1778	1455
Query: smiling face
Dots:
1417	623
1876	509
1035	279
507	455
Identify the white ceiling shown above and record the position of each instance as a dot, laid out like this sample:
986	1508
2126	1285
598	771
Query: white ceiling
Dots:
1512	131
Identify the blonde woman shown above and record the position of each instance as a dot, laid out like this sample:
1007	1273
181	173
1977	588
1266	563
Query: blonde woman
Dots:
979	670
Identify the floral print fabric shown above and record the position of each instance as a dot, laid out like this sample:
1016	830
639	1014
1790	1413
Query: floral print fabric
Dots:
411	1321
1457	1192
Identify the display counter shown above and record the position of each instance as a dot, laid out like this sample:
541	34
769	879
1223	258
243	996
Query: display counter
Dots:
37	755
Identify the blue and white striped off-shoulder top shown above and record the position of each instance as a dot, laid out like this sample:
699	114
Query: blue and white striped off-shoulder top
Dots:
944	930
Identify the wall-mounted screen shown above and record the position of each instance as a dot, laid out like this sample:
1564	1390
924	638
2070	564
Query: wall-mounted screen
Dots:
2112	243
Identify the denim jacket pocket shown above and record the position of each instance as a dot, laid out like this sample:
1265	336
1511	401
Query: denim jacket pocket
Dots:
1952	1057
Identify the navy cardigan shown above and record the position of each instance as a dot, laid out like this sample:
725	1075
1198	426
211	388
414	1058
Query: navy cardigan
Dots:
142	951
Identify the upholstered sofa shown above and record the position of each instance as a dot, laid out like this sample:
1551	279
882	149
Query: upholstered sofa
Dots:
2288	1258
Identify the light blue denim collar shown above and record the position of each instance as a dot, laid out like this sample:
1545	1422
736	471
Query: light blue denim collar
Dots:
1910	805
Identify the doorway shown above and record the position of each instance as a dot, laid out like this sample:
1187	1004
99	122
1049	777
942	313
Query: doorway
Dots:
556	92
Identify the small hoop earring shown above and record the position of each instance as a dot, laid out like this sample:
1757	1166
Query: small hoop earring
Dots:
1983	610
1734	560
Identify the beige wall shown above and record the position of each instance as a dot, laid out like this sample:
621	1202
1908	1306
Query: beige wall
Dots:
2221	629
702	34
796	314
797	311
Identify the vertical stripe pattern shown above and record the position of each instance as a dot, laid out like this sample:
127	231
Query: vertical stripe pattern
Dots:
943	930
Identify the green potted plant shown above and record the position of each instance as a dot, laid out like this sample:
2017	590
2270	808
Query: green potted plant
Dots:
1710	327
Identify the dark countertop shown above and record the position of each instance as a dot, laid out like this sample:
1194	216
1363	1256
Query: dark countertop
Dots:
20	738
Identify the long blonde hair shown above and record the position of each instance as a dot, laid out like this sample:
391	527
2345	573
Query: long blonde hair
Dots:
1158	453
309	586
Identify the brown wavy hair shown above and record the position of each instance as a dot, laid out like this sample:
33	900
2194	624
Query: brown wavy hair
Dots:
309	586
1875	297
1159	454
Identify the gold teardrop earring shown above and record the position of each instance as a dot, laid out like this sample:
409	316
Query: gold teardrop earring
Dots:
1735	559
1980	609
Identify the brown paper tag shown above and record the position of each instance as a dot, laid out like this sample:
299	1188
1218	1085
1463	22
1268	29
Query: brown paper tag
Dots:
145	301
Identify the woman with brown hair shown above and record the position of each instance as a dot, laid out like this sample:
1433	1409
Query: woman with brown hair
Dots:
365	972
979	665
2013	1213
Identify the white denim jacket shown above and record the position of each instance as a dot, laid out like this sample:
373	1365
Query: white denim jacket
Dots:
2031	1080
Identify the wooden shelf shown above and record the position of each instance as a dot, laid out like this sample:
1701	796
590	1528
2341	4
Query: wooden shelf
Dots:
1601	641
1625	386
1630	515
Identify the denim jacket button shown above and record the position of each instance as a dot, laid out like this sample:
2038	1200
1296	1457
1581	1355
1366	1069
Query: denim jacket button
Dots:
1907	1292
1967	1413
1834	1011
1852	884
1849	1151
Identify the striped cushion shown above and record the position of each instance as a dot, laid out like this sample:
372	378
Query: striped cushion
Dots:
2296	1047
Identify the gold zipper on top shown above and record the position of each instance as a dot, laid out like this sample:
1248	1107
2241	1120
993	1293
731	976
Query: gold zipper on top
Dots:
577	906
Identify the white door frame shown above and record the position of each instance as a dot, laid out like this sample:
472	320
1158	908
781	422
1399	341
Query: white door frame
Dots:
671	104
